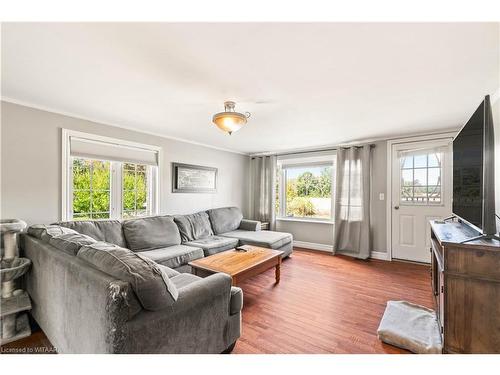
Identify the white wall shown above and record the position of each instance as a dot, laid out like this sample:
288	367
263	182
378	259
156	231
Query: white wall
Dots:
31	166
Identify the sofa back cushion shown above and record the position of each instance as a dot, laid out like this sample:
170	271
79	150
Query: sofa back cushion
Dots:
150	233
225	219
150	283
71	242
100	230
195	226
46	232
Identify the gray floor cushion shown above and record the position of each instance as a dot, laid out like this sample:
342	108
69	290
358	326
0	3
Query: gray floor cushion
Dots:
174	256
214	244
264	238
410	327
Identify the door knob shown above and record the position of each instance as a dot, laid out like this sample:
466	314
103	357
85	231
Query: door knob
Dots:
396	207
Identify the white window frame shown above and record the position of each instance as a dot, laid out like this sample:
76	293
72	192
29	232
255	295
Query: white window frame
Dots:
116	174
306	161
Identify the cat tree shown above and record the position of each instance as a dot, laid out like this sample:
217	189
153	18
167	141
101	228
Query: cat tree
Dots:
14	302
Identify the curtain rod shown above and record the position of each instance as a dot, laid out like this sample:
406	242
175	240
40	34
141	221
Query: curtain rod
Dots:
309	151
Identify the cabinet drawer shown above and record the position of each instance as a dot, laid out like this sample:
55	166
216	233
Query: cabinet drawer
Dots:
480	263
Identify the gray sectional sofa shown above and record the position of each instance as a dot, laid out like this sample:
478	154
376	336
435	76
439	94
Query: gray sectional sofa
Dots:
124	286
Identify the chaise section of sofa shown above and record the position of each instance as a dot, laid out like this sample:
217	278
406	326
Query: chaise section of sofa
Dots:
100	300
228	222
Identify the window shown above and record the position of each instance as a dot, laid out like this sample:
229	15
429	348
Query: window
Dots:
135	190
105	178
305	188
421	178
91	189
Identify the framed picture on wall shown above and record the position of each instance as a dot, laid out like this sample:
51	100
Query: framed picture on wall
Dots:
188	178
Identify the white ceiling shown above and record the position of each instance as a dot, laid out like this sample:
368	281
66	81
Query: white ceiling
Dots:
305	84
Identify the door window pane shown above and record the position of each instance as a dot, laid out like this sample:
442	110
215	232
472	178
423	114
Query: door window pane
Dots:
421	179
407	163
420	161
407	177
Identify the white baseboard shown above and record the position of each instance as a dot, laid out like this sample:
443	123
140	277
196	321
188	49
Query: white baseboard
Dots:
329	248
379	255
313	246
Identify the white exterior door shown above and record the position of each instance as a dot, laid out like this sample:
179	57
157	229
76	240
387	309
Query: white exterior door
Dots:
421	191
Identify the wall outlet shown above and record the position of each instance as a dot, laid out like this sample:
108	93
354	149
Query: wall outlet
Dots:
381	196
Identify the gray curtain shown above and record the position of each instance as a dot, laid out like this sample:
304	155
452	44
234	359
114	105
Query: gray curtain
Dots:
352	202
264	189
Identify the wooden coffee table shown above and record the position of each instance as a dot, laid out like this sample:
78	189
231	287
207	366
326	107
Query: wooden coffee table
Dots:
240	265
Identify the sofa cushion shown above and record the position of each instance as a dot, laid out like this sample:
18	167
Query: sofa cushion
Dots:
225	219
46	232
184	279
265	238
236	303
101	230
194	226
253	225
150	283
184	269
151	233
174	256
214	244
71	242
169	271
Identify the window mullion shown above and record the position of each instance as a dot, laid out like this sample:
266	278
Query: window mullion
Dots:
116	190
70	197
283	193
91	194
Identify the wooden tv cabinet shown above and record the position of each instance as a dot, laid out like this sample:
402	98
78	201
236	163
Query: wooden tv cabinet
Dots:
466	287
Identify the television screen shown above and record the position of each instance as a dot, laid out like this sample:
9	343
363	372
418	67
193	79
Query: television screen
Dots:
468	157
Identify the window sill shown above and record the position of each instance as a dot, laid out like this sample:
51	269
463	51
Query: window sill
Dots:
303	220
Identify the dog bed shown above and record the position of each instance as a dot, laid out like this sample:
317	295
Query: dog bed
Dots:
410	327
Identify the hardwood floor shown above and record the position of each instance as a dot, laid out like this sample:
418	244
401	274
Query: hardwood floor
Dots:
327	304
323	304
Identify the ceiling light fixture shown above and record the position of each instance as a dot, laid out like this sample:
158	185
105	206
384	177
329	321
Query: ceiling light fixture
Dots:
230	121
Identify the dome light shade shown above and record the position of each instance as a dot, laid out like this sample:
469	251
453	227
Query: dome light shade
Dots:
230	121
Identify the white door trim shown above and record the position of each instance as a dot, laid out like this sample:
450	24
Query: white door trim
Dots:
390	143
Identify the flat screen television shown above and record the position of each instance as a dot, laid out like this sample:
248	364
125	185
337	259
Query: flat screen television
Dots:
474	171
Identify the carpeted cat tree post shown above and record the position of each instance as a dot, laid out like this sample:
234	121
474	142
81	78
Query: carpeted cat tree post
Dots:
14	323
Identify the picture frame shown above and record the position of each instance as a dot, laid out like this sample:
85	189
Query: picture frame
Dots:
190	178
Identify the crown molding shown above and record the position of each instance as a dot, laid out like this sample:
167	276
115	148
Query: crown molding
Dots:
445	131
131	128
